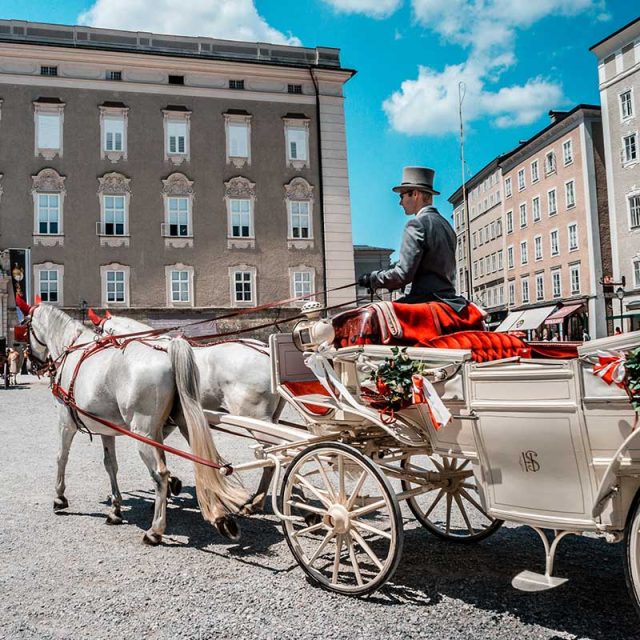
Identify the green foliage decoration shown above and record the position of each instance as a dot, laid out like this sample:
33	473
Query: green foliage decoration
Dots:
393	379
632	366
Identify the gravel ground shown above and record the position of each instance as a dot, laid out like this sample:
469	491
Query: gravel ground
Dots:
73	576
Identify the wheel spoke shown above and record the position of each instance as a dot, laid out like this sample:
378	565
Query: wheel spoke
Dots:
448	527
464	464
316	492
363	511
476	504
327	484
321	547
311	529
306	507
336	561
435	502
463	511
370	529
367	549
356	490
341	494
354	561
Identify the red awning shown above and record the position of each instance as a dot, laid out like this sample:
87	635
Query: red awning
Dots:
569	309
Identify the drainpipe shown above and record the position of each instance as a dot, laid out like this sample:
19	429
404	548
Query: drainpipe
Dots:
320	186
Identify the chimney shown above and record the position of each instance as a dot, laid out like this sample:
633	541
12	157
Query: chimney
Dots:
556	116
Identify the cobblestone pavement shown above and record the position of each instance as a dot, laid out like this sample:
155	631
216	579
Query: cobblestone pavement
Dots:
73	576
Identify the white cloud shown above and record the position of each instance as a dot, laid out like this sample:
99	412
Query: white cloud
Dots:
226	19
428	105
371	8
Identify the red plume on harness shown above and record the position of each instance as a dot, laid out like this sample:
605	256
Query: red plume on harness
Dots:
23	305
107	315
95	318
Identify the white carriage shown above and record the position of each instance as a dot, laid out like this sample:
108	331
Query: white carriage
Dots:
544	443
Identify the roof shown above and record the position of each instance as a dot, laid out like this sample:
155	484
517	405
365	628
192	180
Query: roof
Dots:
366	247
81	37
478	176
615	33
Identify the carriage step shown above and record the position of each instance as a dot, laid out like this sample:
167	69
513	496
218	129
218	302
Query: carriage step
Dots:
532	581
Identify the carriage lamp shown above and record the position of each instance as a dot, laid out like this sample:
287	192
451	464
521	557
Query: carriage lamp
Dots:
84	305
620	293
313	331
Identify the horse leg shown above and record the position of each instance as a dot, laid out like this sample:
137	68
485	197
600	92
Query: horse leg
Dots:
68	430
175	484
111	465
155	461
256	502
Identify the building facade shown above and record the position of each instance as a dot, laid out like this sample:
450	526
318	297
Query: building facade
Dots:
619	77
171	174
368	259
539	230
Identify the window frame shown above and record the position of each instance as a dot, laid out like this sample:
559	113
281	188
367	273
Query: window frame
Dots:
552	233
38	269
537	244
574	269
631	113
117	185
524	255
113	114
240	188
635	195
252	271
109	268
553	191
627	159
181	268
535	175
48	182
524	284
297	124
231	121
556	272
539	286
301	270
522	184
508	187
48	109
509	221
550	163
174	116
574	226
522	210
567	159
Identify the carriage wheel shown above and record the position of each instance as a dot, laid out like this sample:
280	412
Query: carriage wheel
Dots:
355	545
453	510
632	555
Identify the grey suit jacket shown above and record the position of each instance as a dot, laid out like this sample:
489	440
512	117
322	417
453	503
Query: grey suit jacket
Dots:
427	261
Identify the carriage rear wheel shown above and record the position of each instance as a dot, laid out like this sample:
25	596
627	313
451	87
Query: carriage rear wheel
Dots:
452	510
355	543
632	552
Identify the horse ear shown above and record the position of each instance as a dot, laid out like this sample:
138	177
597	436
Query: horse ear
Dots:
107	314
23	305
38	300
94	317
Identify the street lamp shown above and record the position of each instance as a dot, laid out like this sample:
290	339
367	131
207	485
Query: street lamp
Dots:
83	309
620	295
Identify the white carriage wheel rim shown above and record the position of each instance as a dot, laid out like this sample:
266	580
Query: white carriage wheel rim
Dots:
385	566
634	553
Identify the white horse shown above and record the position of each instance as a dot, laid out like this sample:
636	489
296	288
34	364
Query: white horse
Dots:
234	377
137	387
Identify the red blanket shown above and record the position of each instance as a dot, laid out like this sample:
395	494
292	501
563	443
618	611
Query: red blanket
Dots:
423	322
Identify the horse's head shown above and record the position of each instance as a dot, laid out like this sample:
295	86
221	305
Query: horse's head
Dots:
32	333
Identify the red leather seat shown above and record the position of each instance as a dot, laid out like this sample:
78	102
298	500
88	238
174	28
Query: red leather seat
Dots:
484	345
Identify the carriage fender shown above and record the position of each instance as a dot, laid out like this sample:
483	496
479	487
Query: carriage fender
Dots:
609	483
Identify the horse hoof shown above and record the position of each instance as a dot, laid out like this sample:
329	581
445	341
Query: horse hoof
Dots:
152	539
228	528
113	519
175	486
60	503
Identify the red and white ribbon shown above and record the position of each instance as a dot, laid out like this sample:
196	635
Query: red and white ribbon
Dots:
611	367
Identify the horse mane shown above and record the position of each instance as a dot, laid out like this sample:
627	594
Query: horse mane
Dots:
60	327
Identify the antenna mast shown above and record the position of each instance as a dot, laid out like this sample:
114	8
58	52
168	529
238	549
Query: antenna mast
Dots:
466	239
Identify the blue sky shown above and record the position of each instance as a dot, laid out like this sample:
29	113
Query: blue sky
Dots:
517	58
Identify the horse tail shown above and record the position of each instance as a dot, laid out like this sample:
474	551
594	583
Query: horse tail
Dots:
217	494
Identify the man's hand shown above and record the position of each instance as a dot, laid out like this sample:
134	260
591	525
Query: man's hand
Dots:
365	280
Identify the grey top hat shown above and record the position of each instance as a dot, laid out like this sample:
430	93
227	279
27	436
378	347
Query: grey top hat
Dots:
419	178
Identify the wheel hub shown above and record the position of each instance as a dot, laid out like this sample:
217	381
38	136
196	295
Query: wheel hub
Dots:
338	518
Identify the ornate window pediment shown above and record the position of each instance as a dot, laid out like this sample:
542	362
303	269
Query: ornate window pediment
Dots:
298	189
48	180
114	184
240	187
177	184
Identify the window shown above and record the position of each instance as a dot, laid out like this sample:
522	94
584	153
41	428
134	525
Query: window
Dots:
178	209
48	193
243	286
474	240
302	284
475	269
574	270
507	188
113	131
115	286
300	221
525	290
510	262
572	230
48	285
500	260
240	218
634	211
176	79
180	286
113	75
177	123
570	194
48	213
512	293
524	252
629	148
535	175
114	216
494	262
113	134
498	228
238	131
636	274
48	71
521	183
114	193
297	141
236	84
626	105
540	286
294	88
567	151
556	283
537	245
552	205
554	242
509	221
523	215
49	118
550	162
535	207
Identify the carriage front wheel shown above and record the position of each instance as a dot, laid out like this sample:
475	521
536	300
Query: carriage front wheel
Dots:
354	542
632	555
451	509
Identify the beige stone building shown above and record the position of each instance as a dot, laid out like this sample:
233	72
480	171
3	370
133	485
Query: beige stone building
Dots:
539	230
619	76
169	175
